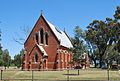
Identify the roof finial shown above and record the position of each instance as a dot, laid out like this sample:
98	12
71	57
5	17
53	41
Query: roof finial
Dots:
41	12
64	29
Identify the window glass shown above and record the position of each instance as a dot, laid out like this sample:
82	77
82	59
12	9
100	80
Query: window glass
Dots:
46	38
36	36
36	57
41	36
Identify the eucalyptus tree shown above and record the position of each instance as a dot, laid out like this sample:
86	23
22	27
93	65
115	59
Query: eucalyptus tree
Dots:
92	52
117	18
114	35
6	58
18	59
96	34
117	13
78	44
1	62
104	34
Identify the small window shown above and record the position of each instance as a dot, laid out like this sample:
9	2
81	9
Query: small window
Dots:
36	36
46	38
36	57
41	36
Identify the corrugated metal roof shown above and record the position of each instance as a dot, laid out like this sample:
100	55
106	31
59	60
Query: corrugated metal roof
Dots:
62	37
42	50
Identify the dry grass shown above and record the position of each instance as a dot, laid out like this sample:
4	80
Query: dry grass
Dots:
89	74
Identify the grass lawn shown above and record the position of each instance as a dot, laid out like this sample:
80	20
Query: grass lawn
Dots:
88	74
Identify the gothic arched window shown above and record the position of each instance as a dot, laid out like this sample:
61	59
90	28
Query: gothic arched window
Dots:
46	38
36	36
36	57
41	36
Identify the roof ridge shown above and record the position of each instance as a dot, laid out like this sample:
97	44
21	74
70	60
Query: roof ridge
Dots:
61	36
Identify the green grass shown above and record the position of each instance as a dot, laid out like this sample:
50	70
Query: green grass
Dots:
88	74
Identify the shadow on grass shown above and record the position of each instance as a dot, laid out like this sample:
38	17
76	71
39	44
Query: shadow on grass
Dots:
71	74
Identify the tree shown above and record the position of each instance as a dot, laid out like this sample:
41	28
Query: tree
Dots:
6	58
114	32
92	52
117	13
22	56
95	35
78	44
1	62
117	18
19	58
103	34
111	54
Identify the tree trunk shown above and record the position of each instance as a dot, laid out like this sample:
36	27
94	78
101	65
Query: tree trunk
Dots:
95	63
100	61
5	67
117	62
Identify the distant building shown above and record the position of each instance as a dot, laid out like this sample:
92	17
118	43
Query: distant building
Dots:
85	61
47	47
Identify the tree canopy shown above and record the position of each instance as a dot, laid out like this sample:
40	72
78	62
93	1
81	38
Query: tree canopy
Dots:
1	62
79	47
6	58
105	35
19	58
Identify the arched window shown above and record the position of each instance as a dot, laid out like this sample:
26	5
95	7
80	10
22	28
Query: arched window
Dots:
41	36
46	38
36	57
36	36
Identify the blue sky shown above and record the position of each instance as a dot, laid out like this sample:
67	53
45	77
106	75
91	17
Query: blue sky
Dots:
62	13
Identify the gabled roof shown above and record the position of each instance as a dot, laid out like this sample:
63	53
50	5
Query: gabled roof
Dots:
61	36
42	50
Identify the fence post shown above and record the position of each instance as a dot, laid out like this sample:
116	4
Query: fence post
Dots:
78	71
108	73
67	74
1	74
32	75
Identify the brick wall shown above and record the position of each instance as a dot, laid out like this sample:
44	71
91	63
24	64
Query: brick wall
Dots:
51	49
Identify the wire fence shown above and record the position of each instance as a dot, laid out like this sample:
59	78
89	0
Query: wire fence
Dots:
60	75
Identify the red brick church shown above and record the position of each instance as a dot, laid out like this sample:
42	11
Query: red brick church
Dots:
47	47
